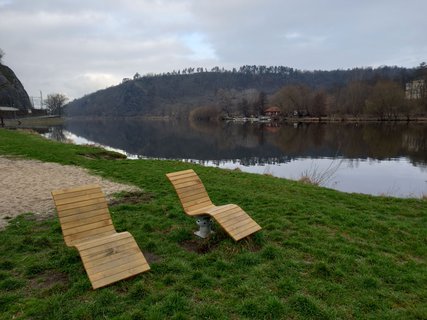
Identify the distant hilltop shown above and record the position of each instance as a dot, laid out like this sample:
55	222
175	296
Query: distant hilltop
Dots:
246	90
12	92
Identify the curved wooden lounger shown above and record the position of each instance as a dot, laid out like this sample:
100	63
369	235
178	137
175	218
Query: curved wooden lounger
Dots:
86	224
196	202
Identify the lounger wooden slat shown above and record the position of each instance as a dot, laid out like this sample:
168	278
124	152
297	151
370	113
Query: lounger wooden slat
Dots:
68	191
74	211
91	237
102	259
99	242
224	211
87	227
196	202
122	260
230	217
173	175
198	197
81	204
77	199
200	212
245	232
120	276
184	178
85	220
190	192
96	211
113	269
61	196
86	224
107	248
89	234
241	222
199	205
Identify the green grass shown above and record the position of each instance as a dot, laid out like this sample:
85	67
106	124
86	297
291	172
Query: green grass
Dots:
321	254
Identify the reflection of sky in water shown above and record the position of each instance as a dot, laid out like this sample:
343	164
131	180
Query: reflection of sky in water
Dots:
392	177
395	177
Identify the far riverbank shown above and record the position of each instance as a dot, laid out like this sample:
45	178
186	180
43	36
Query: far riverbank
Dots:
32	122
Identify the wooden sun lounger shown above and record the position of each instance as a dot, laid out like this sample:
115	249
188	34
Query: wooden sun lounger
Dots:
196	202
86	224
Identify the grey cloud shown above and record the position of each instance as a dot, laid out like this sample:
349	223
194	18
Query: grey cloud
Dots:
77	47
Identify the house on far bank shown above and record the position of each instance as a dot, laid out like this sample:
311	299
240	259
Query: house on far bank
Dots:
272	111
415	89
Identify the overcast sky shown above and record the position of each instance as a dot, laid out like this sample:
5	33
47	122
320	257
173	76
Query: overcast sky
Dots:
76	47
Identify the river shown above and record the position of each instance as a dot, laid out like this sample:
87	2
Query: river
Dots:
373	158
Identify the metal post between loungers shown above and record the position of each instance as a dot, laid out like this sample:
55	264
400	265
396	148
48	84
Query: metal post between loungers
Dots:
205	227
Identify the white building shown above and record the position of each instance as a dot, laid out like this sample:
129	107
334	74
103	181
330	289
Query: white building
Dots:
415	89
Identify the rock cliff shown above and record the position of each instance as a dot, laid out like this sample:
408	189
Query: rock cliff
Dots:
12	92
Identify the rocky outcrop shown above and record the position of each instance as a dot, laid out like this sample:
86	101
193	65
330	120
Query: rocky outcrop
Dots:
12	92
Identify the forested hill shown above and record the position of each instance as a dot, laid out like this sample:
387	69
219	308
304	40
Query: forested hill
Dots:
180	92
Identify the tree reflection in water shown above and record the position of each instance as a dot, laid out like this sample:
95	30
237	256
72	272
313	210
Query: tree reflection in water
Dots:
251	145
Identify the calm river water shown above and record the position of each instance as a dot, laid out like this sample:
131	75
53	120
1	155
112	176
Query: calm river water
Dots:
386	158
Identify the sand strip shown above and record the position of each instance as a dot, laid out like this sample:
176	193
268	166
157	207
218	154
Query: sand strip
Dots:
25	185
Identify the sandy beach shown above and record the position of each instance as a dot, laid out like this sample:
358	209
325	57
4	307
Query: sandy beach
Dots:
25	185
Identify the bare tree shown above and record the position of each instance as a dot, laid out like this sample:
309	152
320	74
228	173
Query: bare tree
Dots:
318	107
244	107
353	98
386	100
1	55
293	99
261	102
225	101
55	102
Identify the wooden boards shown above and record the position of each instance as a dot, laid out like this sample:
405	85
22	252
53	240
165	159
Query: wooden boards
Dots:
86	223
195	201
83	213
112	258
190	190
236	222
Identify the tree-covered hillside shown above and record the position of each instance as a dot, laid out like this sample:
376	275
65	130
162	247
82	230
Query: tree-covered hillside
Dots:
180	92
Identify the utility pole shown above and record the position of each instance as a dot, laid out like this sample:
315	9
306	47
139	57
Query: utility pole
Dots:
41	100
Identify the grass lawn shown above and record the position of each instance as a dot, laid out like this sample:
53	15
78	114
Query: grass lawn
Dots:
322	254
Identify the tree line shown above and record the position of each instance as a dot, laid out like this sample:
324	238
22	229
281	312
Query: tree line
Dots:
247	90
379	98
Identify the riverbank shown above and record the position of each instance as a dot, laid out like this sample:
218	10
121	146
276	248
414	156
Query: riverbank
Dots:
332	119
34	122
353	119
265	119
321	253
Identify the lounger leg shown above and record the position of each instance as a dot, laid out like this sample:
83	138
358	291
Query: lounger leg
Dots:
205	224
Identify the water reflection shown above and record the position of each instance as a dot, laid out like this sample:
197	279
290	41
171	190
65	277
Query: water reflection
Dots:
388	158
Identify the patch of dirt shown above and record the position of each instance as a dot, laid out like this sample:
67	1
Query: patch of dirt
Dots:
48	280
25	186
133	197
151	257
201	246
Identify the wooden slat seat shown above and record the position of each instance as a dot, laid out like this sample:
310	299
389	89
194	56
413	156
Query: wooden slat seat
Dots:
196	202
86	224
